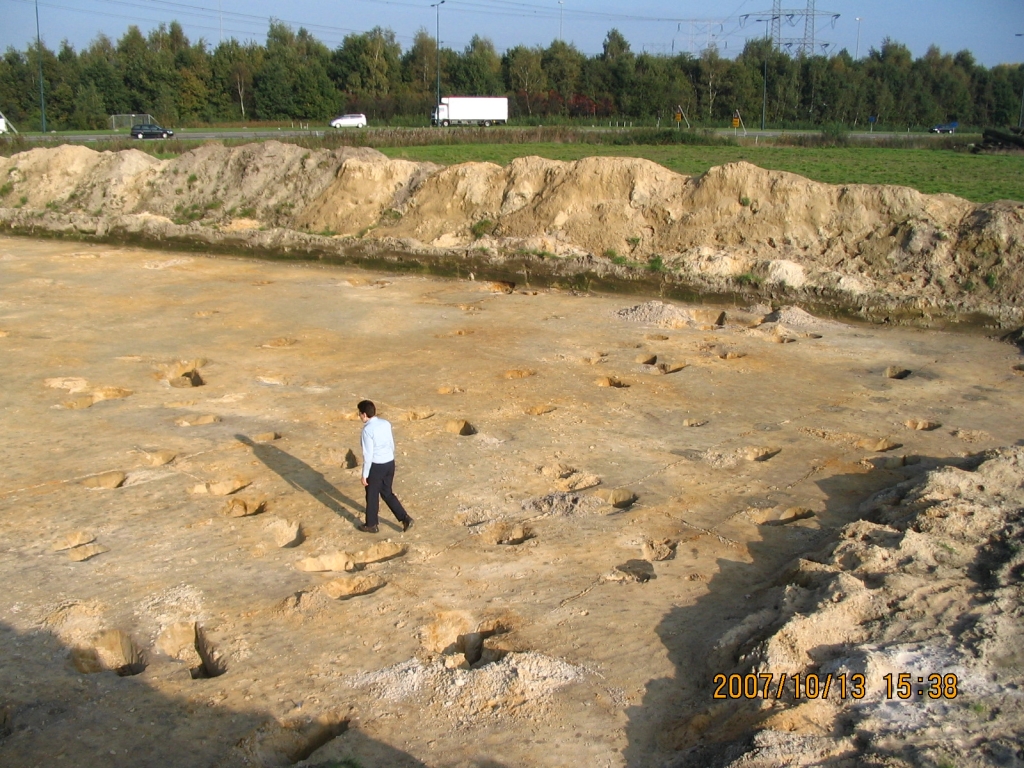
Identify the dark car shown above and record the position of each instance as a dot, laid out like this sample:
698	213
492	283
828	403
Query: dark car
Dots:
945	128
150	131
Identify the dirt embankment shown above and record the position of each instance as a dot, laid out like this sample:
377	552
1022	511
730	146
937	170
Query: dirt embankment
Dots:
736	229
903	637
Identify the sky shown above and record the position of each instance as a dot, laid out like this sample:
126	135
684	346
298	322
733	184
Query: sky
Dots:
987	28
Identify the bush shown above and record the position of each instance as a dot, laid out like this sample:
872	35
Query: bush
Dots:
663	136
481	228
748	278
835	135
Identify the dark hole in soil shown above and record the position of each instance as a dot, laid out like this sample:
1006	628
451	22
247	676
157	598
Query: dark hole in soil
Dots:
128	670
316	737
474	648
212	664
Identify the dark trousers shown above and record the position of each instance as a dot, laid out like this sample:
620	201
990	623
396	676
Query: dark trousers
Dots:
379	484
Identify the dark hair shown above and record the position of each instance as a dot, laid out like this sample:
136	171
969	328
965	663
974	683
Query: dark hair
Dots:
367	408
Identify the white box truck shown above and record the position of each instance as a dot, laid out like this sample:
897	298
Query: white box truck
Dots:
471	110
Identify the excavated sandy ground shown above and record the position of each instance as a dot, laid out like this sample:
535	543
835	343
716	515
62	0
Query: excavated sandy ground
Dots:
592	650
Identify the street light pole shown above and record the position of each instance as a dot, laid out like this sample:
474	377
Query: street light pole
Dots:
1020	120
561	4
857	54
437	38
39	53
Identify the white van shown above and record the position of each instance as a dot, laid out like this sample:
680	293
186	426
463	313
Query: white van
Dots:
349	121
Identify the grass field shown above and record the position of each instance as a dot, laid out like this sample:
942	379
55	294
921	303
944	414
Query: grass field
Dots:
979	178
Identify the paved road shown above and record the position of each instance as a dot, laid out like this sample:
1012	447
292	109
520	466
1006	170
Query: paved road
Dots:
291	133
70	136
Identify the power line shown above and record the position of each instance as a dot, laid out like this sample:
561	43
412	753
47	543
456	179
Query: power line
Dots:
791	17
333	33
143	19
251	26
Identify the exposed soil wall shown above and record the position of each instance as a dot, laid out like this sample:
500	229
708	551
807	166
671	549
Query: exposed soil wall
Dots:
884	251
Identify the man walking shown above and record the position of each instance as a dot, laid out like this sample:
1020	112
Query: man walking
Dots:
379	468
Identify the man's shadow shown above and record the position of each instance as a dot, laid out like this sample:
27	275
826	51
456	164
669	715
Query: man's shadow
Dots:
298	474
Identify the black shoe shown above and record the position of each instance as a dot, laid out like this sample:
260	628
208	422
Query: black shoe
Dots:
407	524
368	528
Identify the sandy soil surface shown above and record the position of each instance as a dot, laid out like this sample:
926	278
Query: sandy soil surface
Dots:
621	517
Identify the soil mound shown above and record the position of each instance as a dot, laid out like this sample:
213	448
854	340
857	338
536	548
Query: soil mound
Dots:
735	228
271	181
919	602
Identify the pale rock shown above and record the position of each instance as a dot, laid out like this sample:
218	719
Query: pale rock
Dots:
227	487
459	427
503	532
239	507
894	462
107	480
179	642
71	384
662	549
385	550
352	586
577	481
620	498
335	561
197	421
558	470
921	424
759	453
111	393
285	533
877	445
186	379
76	539
80	554
671	367
784	272
159	458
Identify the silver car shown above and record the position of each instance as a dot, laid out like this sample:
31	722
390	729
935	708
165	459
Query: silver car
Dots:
349	121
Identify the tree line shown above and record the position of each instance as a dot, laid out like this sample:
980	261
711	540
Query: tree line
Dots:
293	76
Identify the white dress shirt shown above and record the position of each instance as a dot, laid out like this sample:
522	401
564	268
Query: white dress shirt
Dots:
378	443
